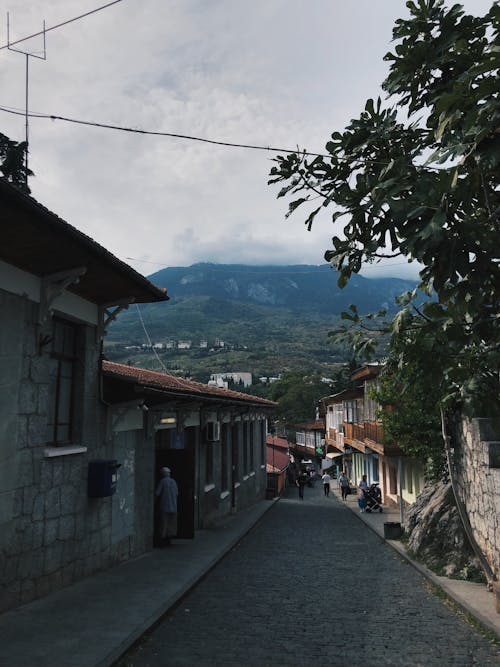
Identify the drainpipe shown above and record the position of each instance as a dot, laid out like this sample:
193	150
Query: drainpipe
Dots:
462	512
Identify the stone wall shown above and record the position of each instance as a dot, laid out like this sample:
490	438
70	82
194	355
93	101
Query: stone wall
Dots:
475	455
51	532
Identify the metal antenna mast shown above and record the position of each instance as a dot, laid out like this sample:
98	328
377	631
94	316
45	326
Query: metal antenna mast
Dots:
27	55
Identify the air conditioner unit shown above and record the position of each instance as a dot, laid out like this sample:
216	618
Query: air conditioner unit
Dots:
213	431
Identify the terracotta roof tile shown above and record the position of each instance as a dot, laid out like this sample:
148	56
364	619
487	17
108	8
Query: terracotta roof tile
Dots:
165	382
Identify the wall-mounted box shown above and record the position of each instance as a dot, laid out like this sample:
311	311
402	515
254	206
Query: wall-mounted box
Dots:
101	481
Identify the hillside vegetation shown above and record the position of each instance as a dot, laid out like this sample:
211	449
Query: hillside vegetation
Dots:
265	320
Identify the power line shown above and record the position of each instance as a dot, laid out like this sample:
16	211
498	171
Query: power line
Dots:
108	126
59	25
148	338
133	130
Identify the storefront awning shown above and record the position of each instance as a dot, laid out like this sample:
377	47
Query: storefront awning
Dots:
332	455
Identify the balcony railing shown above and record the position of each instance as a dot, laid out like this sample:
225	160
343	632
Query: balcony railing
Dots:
374	431
363	432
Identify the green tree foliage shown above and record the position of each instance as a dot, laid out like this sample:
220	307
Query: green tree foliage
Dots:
298	395
410	411
426	188
12	162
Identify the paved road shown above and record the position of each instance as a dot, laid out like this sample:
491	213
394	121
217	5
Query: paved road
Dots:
311	584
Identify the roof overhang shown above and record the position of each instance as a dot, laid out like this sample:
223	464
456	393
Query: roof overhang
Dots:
39	242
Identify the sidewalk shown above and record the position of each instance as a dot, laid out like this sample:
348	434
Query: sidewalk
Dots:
93	622
475	599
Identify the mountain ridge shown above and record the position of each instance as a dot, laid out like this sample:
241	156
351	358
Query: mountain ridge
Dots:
302	286
262	319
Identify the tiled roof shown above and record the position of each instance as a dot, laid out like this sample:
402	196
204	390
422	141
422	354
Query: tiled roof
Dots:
276	459
170	383
367	372
345	395
38	241
318	425
276	441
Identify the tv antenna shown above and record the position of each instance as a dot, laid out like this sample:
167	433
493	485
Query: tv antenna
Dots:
28	55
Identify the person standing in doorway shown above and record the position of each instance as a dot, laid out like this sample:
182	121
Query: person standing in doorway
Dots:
344	485
326	479
167	492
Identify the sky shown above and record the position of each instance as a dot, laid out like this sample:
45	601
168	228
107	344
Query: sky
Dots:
281	73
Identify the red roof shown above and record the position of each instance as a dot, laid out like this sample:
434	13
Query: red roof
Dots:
276	441
276	459
170	383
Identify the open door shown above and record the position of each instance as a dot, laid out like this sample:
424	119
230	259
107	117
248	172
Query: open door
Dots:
181	463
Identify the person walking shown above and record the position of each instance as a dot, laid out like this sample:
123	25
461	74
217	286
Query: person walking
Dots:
167	493
363	487
302	480
344	485
326	479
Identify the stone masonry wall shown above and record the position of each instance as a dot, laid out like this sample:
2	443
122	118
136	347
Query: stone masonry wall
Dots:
51	533
479	484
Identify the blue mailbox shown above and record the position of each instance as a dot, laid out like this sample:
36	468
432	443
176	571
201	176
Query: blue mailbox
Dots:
102	476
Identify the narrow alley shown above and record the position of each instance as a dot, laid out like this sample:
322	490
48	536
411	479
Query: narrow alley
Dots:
312	584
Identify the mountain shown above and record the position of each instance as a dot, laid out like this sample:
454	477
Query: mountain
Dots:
262	319
300	287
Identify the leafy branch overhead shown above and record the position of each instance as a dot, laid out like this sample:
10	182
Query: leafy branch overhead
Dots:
419	179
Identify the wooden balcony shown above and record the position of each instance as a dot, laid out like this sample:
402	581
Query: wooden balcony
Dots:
368	434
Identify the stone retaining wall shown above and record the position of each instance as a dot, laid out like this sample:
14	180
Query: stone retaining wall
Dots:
476	454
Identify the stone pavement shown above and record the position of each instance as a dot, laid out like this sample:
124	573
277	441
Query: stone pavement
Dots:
311	585
474	598
92	623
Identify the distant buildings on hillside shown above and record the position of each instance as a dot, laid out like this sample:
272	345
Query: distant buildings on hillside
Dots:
171	344
223	379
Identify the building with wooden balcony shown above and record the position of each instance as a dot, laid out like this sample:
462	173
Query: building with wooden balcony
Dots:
353	428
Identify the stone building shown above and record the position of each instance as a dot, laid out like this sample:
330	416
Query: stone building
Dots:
79	441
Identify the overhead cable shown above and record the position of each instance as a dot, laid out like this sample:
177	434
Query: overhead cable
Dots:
133	130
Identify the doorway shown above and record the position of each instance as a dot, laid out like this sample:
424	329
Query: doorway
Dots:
181	463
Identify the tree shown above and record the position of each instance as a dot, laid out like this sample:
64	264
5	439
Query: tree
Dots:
410	415
425	188
13	162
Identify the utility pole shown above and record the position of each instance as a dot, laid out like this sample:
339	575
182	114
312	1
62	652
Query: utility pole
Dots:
27	56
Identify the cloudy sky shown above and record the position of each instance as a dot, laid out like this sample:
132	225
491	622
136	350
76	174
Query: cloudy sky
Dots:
282	73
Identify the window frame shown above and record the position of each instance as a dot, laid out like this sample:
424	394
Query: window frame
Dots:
63	360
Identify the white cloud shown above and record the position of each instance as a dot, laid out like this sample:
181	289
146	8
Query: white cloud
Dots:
272	72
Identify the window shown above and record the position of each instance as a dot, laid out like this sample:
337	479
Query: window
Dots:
62	383
245	448
209	463
223	459
263	430
251	443
235	451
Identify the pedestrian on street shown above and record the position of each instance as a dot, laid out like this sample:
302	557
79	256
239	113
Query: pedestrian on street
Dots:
326	479
302	480
167	493
363	488
344	485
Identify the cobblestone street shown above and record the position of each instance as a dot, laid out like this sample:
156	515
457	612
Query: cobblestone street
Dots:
311	584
